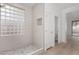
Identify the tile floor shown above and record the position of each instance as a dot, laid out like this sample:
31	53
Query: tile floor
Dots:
22	51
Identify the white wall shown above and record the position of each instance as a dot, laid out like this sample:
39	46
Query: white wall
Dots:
38	29
13	42
51	10
28	26
69	26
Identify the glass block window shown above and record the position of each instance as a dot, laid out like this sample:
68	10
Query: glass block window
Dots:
12	20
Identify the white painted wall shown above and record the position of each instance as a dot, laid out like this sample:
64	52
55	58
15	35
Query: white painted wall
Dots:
38	29
51	10
13	42
69	28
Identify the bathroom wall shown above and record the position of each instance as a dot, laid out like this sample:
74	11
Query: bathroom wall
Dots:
17	41
38	38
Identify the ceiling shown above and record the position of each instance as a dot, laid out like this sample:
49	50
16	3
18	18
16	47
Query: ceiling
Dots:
66	5
60	5
73	15
27	4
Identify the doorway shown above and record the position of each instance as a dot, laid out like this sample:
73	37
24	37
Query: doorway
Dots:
56	30
75	34
75	28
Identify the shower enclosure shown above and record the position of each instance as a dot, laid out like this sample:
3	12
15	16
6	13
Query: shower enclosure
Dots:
13	32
